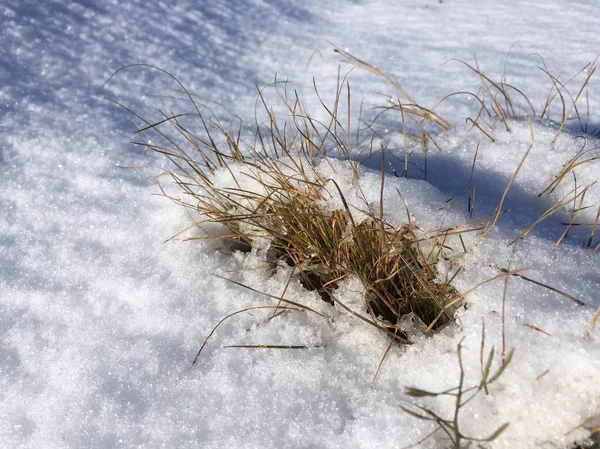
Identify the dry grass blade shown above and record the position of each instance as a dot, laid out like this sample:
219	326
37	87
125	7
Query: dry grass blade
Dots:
574	104
594	319
383	357
570	165
232	315
394	335
591	239
535	328
456	300
279	298
582	425
541	375
560	292
574	214
551	211
472	187
269	346
489	226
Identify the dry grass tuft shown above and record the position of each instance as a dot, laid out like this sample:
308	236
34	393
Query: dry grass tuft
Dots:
270	194
276	199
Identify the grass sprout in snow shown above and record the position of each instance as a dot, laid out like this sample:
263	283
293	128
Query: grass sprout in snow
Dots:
461	395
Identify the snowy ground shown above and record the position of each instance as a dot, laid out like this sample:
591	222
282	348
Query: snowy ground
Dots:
100	319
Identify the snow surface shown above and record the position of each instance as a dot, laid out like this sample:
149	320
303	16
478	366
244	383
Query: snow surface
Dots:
100	319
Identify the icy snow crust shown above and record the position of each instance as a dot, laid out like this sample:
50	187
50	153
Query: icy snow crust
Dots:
100	320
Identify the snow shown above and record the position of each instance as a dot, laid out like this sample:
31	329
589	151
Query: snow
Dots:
100	319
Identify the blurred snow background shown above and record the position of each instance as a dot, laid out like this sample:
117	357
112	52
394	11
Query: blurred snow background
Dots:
99	320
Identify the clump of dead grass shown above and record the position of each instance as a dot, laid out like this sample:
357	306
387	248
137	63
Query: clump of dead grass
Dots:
276	198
